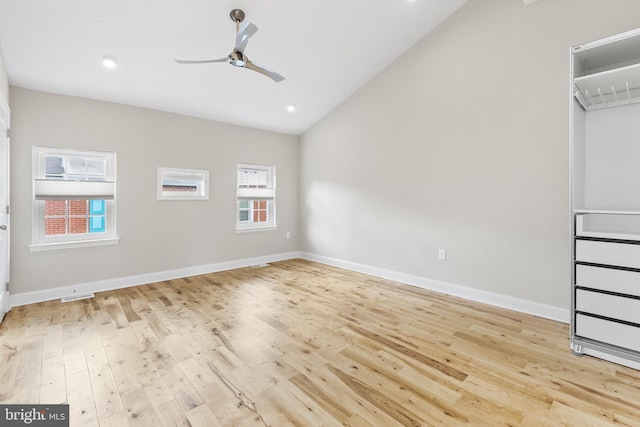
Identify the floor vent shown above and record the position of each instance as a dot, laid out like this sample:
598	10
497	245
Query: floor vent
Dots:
77	297
260	266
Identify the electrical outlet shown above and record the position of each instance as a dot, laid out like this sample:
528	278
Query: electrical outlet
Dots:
442	254
288	234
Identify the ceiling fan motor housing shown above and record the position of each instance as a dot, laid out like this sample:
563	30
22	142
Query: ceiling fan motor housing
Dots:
237	58
237	15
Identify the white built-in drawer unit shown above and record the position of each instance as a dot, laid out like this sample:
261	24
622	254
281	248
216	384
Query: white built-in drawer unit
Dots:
608	253
609	279
618	334
605	184
612	306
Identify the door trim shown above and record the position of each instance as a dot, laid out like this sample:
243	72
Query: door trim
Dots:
5	297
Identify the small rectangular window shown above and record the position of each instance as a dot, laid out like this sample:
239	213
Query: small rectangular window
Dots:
183	184
256	190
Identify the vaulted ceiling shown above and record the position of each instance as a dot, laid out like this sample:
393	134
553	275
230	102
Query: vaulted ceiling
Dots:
325	49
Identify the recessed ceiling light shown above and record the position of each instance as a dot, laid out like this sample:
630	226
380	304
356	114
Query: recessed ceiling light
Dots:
291	108
109	62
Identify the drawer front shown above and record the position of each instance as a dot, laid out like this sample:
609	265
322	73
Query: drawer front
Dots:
607	279
619	254
624	336
612	306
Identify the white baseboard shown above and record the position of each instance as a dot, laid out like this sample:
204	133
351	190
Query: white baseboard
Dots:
4	304
499	300
612	358
24	298
491	298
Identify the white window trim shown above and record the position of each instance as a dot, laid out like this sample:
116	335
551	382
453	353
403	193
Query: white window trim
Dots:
195	174
40	247
241	194
40	243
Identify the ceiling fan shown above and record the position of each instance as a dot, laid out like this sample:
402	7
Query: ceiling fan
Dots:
237	57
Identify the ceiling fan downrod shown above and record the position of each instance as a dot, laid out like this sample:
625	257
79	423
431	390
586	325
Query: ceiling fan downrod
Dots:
237	16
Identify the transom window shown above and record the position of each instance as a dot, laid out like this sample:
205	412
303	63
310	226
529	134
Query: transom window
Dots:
183	184
256	197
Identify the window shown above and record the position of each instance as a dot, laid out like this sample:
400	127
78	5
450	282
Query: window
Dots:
183	184
73	198
256	197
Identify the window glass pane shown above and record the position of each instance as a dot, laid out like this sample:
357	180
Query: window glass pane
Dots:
253	178
97	224
180	185
244	204
54	166
75	217
76	166
77	225
55	226
97	207
78	207
55	207
244	216
96	167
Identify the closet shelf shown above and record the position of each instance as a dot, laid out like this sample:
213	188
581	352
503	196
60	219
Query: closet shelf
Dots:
610	88
620	225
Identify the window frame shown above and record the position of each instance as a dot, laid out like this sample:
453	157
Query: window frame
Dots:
41	242
269	196
199	175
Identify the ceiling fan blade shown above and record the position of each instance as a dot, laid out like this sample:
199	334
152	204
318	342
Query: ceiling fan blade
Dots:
263	70
247	29
182	61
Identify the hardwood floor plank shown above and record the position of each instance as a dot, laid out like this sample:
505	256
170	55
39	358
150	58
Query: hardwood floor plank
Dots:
392	408
27	389
138	409
298	343
82	405
171	414
116	420
123	365
334	408
29	357
185	394
201	416
53	386
433	406
107	397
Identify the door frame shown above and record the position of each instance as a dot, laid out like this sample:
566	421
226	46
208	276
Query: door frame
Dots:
5	297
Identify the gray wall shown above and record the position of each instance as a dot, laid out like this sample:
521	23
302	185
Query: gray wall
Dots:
4	81
155	235
461	144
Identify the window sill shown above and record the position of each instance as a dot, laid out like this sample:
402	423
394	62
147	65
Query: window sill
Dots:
40	247
254	229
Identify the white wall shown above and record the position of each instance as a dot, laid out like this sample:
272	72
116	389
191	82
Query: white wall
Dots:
612	156
155	235
4	80
461	144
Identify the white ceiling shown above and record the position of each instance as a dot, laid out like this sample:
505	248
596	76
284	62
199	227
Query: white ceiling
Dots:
326	49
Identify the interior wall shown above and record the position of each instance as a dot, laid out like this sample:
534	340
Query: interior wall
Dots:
4	80
155	236
461	144
612	155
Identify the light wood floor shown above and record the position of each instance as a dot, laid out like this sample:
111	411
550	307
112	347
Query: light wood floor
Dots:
303	344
